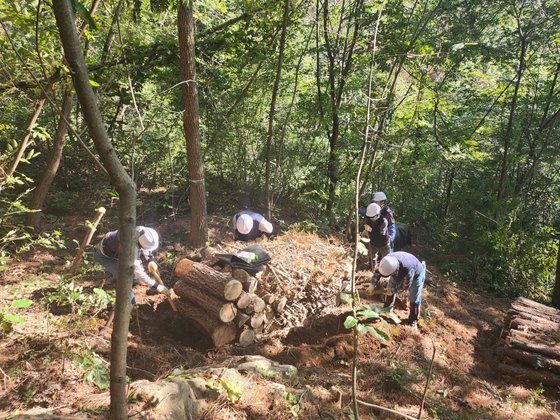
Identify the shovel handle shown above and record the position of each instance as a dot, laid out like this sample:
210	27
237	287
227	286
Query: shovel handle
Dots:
158	278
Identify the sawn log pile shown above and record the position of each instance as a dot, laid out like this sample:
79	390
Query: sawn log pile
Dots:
303	278
531	342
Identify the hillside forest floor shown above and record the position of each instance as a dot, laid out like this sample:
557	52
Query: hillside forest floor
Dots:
57	359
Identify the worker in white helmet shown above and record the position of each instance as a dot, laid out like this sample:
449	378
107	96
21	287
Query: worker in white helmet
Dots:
248	226
407	273
380	198
106	253
378	232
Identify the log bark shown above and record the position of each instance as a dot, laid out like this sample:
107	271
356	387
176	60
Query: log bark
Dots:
530	374
535	360
524	324
221	333
246	337
207	279
542	308
241	318
532	318
214	307
535	337
534	348
535	312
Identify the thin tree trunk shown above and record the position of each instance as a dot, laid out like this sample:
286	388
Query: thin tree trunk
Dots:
509	129
556	292
25	141
127	202
268	157
42	188
199	222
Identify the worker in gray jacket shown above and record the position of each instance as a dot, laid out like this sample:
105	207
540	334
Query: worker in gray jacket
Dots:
107	254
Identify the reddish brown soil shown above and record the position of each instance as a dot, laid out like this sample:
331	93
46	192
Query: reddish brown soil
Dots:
39	373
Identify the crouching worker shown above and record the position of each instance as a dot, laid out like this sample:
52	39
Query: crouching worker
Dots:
248	226
107	254
407	272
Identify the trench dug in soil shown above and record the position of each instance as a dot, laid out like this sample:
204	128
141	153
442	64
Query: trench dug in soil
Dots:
43	361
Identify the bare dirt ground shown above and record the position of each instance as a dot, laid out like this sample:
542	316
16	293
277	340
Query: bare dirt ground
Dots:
45	361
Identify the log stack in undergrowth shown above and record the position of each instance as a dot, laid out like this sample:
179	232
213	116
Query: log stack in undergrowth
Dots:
222	307
531	342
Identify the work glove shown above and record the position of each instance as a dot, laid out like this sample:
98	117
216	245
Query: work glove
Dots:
163	290
370	290
153	267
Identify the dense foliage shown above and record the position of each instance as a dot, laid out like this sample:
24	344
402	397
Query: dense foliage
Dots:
464	131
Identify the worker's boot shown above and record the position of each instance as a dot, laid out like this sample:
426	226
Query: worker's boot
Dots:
390	301
413	315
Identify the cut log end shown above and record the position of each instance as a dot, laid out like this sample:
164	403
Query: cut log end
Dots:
232	290
246	337
228	312
184	267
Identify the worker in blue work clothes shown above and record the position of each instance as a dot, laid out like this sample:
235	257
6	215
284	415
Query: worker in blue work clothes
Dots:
378	233
380	199
107	254
407	273
248	226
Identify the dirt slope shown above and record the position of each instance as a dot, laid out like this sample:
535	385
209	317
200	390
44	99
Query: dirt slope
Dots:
43	362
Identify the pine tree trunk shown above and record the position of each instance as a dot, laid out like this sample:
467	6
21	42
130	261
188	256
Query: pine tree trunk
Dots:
199	223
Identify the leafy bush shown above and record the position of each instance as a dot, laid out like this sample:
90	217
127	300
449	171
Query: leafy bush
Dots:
7	320
81	302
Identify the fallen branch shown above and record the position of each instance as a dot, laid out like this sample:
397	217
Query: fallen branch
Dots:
406	416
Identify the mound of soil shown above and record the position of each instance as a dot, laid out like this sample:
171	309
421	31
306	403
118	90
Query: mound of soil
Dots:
56	359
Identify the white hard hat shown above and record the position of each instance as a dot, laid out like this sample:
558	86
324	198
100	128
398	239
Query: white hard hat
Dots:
265	226
388	265
379	196
148	239
373	210
244	224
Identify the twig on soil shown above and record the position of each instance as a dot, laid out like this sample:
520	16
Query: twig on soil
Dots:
5	379
427	379
142	370
406	416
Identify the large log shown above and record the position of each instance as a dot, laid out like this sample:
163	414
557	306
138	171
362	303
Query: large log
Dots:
220	333
542	308
207	279
535	337
535	360
523	324
530	374
533	318
534	348
535	312
214	307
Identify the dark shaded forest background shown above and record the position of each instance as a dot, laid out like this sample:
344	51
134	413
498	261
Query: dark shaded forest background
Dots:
463	129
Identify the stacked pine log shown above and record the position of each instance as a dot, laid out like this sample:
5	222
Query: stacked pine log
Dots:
531	342
225	308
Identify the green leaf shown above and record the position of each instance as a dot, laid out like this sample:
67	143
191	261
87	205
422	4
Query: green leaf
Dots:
94	83
345	297
368	314
14	319
350	322
22	303
81	11
377	333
